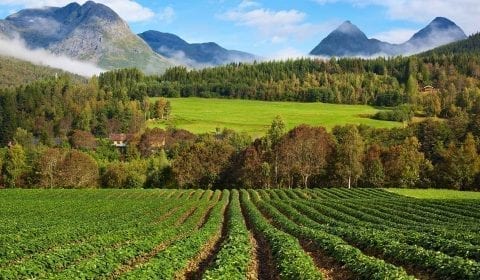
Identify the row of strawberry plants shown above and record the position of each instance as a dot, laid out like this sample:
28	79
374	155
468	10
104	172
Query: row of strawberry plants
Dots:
409	214
441	265
430	212
20	220
396	221
468	209
468	231
234	258
80	228
110	261
428	241
51	262
363	266
62	255
291	260
168	263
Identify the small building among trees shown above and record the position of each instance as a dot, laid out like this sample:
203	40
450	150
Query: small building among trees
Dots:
119	140
428	89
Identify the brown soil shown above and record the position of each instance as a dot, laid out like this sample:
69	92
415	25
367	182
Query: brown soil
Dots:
253	268
329	267
199	265
263	259
185	216
417	272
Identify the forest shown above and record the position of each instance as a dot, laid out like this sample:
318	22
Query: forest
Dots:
55	131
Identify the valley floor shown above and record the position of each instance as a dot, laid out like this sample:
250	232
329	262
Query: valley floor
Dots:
203	115
246	234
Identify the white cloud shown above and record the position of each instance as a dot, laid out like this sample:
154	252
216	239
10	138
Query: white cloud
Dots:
167	14
395	36
16	48
127	9
463	12
277	26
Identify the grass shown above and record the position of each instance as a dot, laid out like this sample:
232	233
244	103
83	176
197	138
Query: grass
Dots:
201	115
436	193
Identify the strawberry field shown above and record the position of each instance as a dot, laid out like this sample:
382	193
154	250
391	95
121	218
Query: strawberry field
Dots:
230	234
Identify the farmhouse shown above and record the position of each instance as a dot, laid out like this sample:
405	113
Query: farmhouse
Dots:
428	89
119	140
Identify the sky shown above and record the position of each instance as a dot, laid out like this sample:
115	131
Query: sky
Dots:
275	28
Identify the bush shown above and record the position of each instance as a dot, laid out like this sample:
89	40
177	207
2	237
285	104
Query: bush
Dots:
400	113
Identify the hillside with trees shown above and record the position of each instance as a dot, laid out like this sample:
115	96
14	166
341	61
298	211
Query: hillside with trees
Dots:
60	126
379	82
14	72
471	45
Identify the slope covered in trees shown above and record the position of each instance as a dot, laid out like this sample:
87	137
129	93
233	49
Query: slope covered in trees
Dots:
62	121
381	82
15	72
471	45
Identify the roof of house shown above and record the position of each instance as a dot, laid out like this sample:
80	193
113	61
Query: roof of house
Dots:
118	137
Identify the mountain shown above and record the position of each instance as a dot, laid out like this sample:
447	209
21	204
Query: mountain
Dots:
89	32
471	45
439	32
349	40
14	72
202	54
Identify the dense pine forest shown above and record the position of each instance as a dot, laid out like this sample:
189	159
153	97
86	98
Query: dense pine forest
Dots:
55	131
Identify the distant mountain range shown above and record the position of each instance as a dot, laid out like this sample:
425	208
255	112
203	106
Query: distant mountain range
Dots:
348	40
90	32
95	33
194	55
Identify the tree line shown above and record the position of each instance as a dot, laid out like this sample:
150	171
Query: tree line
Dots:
434	154
379	82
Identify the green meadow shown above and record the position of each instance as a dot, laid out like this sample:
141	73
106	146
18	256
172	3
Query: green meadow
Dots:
436	193
202	115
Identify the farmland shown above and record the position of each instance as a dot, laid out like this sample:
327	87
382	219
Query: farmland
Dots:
230	234
202	115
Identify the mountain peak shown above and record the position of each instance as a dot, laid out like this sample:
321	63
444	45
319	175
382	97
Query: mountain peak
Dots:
194	55
94	9
345	40
349	40
92	32
348	27
438	32
442	21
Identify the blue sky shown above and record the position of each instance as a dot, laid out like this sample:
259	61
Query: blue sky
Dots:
278	29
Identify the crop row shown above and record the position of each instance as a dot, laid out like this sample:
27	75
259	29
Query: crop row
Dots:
441	265
67	261
234	258
171	262
292	261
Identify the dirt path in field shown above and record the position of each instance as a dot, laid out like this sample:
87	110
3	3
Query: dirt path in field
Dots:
262	257
330	268
205	259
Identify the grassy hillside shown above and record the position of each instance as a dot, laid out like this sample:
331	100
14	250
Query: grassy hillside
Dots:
14	72
436	193
205	115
